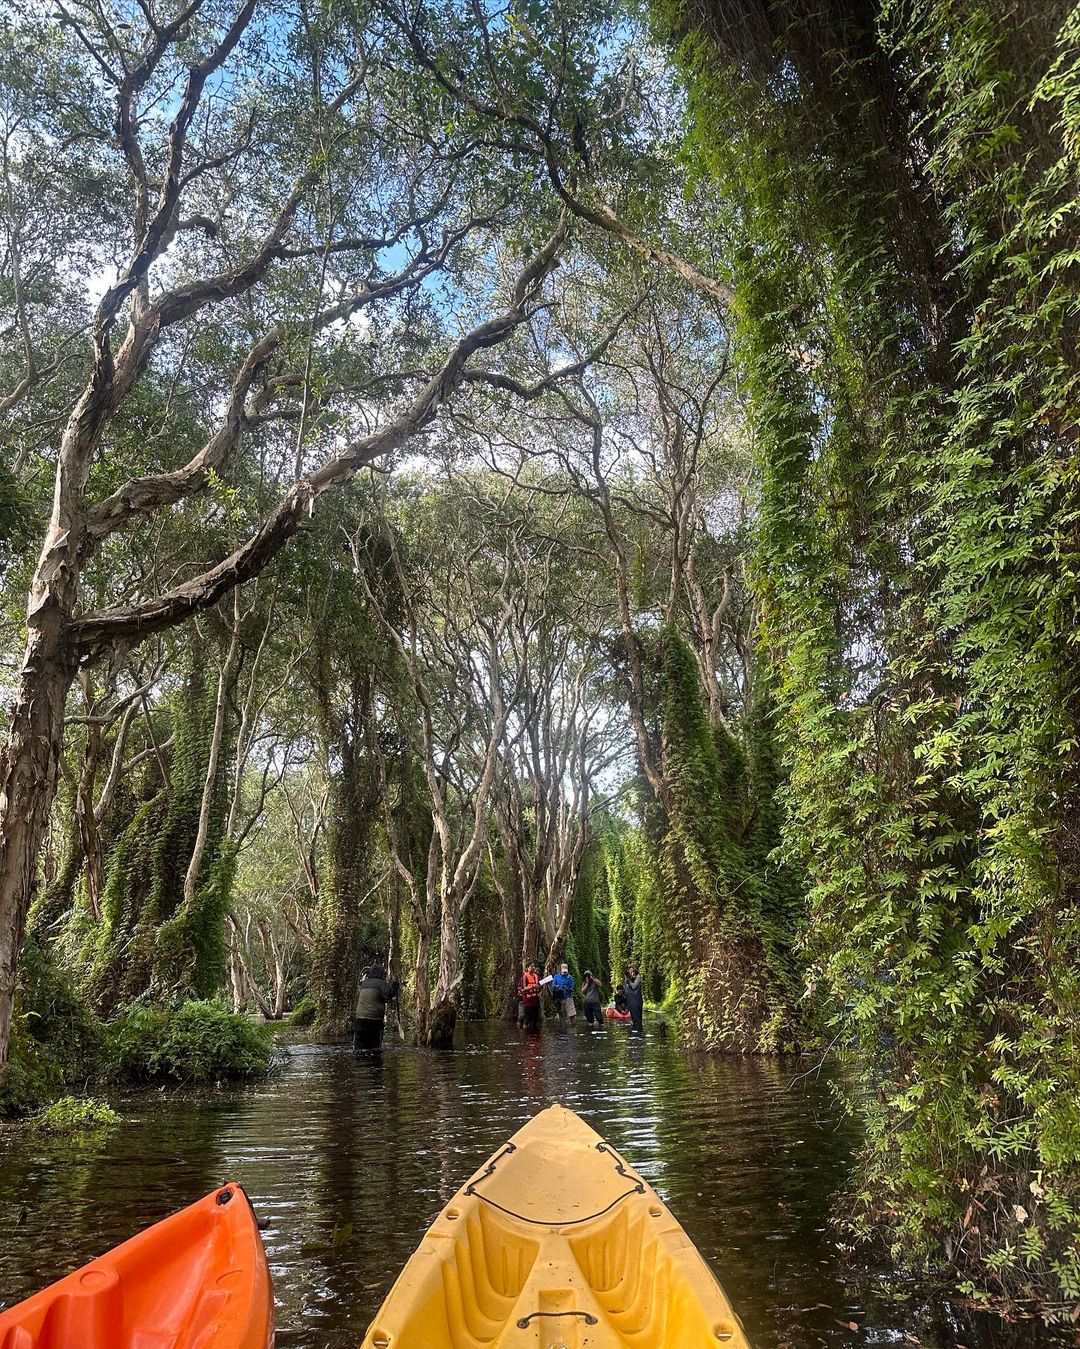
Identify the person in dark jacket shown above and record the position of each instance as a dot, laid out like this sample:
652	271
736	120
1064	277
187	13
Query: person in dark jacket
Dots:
374	993
592	995
635	997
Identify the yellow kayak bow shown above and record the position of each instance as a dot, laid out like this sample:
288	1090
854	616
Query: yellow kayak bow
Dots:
556	1243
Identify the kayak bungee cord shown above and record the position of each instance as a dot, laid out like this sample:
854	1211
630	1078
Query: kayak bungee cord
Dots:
489	1170
620	1170
487	1274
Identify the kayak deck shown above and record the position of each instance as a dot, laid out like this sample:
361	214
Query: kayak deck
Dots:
556	1244
196	1280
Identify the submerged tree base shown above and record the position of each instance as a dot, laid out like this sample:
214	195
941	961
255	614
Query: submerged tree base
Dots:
443	1024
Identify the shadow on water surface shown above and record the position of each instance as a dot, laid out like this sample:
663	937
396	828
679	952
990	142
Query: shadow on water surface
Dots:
350	1160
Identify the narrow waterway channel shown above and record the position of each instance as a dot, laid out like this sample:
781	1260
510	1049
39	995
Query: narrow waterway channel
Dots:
349	1160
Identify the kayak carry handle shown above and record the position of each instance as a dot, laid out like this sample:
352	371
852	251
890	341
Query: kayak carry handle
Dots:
588	1318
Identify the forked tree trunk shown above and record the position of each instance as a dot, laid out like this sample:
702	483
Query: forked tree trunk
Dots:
274	960
241	954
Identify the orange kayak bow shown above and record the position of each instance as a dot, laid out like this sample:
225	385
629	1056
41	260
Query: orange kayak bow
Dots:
197	1280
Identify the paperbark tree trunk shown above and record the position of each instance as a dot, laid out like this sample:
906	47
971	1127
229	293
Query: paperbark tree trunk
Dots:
236	980
86	814
29	771
393	953
530	937
225	678
422	987
444	1019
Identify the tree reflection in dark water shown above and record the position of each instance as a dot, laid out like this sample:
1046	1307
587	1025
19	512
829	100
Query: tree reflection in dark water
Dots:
351	1158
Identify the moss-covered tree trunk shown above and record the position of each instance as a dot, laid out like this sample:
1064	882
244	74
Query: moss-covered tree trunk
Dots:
151	938
352	818
907	321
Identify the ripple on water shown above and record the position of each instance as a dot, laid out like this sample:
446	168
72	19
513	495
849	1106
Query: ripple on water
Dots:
350	1160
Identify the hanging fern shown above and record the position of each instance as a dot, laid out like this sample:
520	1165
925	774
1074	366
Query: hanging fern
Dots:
903	195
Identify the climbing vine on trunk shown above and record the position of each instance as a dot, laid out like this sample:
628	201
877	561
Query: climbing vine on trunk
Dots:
903	219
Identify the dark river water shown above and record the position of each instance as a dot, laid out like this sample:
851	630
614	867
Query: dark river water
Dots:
350	1160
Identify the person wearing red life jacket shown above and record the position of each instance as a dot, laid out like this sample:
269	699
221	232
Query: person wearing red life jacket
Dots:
529	993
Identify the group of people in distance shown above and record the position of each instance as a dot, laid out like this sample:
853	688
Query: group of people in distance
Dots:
629	997
376	992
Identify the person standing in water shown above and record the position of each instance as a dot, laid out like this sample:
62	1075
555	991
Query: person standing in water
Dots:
562	990
635	996
529	989
591	991
375	992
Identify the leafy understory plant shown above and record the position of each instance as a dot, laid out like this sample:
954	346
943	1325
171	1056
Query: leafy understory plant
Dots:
75	1115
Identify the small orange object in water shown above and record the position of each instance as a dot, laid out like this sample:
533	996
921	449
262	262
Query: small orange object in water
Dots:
197	1280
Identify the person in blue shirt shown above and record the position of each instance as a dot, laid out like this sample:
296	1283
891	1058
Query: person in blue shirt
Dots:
562	990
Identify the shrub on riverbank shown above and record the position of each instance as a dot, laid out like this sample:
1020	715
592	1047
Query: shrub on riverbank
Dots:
31	1076
73	1114
55	1042
195	1042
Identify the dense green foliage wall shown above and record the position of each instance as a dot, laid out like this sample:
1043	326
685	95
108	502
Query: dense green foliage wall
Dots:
149	940
901	182
694	893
